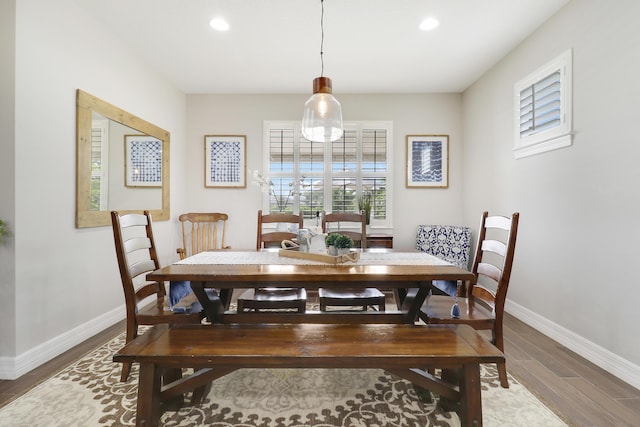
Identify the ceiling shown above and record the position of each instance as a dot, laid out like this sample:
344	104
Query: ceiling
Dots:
370	46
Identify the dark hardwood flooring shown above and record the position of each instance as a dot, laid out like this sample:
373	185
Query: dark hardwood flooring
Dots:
575	389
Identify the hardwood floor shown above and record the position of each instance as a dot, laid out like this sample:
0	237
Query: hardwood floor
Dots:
578	391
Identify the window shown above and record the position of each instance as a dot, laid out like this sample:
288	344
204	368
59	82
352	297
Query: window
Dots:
543	108
311	176
99	164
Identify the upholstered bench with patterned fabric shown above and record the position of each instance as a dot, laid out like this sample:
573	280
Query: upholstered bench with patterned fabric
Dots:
448	242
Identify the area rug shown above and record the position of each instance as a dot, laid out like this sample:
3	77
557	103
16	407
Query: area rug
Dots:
89	393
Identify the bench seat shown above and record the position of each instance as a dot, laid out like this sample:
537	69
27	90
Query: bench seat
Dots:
408	351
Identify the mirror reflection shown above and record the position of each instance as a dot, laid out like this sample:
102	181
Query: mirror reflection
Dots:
123	161
122	164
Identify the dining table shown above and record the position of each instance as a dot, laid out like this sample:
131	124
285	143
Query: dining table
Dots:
214	275
393	339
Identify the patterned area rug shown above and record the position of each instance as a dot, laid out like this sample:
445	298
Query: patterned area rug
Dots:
89	393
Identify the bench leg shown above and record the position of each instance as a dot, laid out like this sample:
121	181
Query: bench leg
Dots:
149	385
469	404
470	398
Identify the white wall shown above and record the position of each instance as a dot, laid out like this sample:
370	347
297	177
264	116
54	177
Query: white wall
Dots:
7	171
576	257
67	285
244	114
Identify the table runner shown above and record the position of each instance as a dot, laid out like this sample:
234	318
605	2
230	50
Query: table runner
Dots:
272	257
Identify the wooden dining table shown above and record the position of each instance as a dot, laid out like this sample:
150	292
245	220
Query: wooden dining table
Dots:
390	340
214	275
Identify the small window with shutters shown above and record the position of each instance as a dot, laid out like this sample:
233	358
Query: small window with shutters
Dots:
543	109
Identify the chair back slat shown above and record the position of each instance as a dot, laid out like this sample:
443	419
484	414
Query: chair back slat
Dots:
497	221
495	246
142	267
132	220
136	243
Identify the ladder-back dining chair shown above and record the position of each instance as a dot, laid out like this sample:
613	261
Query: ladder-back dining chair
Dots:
356	228
202	232
275	298
137	256
483	305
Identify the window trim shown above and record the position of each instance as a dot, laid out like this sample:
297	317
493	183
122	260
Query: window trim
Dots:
558	136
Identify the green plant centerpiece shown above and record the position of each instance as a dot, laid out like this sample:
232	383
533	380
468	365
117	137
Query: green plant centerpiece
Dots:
330	240
343	244
338	244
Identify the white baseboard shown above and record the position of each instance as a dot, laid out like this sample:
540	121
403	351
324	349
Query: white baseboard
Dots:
600	356
14	367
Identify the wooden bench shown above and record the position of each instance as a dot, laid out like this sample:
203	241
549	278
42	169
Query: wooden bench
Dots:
408	351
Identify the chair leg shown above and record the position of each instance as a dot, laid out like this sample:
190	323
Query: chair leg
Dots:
498	341
502	374
126	370
132	332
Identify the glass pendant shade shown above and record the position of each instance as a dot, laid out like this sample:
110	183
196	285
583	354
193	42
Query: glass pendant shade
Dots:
322	117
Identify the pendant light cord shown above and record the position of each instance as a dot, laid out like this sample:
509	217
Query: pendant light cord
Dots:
322	39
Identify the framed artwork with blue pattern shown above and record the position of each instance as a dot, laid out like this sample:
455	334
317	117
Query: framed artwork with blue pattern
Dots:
142	161
428	161
224	161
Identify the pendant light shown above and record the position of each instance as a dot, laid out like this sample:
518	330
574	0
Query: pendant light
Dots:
322	117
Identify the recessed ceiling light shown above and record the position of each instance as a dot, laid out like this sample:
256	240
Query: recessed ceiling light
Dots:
219	24
429	24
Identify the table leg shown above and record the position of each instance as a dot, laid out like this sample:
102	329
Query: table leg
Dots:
414	299
399	294
225	297
211	303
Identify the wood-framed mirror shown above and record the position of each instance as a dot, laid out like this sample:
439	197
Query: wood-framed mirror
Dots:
122	163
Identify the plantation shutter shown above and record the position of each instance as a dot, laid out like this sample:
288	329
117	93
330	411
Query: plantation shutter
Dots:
540	107
309	177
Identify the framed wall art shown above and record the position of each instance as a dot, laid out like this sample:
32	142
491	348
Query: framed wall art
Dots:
428	161
224	161
142	161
